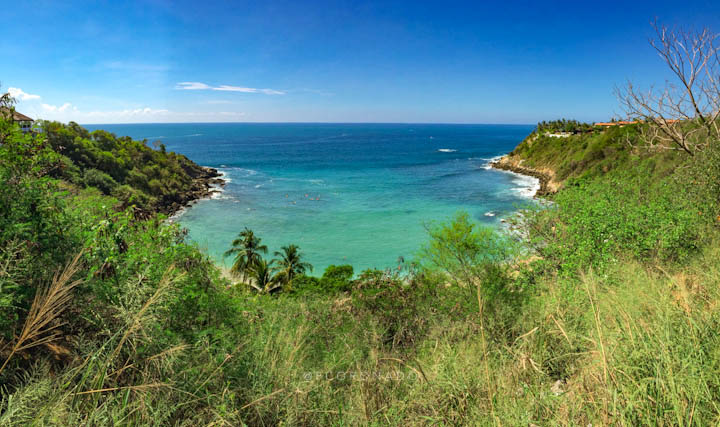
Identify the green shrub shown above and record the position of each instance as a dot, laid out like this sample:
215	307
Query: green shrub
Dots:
129	196
397	304
99	180
471	257
336	278
595	222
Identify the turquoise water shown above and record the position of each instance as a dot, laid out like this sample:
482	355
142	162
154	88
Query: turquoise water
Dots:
345	193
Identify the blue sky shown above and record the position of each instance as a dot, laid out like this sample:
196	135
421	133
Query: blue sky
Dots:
447	62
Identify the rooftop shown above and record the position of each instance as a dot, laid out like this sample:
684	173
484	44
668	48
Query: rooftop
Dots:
620	123
18	117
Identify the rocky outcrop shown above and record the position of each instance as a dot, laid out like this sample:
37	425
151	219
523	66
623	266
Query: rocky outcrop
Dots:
205	182
548	185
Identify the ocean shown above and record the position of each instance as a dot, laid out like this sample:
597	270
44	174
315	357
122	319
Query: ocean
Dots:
359	194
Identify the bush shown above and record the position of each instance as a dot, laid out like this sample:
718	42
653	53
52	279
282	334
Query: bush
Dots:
595	222
397	304
99	180
471	257
129	196
336	278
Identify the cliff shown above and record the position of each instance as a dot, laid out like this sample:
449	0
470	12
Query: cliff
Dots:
557	159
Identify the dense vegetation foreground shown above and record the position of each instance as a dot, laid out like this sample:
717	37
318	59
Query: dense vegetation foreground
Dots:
603	309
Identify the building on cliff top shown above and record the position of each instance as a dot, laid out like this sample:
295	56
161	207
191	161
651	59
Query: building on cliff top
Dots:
620	123
21	119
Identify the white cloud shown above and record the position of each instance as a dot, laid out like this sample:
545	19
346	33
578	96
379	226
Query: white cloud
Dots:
18	94
192	86
226	88
54	108
138	112
67	112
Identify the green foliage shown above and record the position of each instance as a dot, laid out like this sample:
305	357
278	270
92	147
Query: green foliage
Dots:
610	319
471	257
396	304
247	250
262	278
290	265
563	125
306	284
336	278
34	231
595	222
99	180
594	154
152	180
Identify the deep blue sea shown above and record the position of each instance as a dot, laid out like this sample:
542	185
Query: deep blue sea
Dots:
345	193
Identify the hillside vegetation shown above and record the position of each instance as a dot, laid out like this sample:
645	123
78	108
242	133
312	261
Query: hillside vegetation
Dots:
128	170
589	152
604	313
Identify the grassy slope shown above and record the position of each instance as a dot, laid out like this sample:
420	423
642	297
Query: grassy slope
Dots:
593	154
604	328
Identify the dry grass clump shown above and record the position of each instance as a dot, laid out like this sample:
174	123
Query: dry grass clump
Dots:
42	321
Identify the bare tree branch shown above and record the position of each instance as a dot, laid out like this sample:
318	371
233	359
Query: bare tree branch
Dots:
683	114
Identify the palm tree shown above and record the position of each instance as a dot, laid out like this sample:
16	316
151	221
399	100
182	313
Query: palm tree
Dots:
290	264
264	281
247	251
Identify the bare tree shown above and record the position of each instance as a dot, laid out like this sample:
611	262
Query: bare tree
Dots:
684	114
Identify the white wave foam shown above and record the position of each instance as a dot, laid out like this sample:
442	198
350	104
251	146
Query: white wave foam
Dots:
174	217
224	177
490	161
527	186
235	171
447	150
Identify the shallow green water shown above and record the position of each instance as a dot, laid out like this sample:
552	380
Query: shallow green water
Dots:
345	193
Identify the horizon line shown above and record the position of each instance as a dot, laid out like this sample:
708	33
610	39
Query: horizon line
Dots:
311	122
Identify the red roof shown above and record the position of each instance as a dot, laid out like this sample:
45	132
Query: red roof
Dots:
615	123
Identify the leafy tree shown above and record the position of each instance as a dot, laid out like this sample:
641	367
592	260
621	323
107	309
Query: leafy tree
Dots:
290	264
157	180
247	250
471	256
262	279
337	278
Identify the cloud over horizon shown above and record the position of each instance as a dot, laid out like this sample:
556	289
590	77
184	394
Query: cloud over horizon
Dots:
20	95
65	112
225	88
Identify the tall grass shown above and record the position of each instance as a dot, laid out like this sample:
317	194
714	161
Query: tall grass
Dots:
636	344
42	320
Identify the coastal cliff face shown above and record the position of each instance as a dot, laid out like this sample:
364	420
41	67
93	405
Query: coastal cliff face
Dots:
583	154
546	176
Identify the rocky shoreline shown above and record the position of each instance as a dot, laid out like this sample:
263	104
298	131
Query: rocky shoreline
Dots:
547	185
205	181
